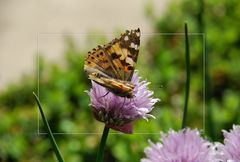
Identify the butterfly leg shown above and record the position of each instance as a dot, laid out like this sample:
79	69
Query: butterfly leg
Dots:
123	102
132	99
105	95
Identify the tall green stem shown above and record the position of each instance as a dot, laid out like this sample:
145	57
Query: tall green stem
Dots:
102	145
187	85
50	135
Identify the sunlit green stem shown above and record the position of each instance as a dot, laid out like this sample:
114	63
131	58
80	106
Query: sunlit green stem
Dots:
50	135
187	85
102	145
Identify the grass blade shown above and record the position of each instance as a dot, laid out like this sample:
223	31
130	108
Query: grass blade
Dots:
187	85
49	132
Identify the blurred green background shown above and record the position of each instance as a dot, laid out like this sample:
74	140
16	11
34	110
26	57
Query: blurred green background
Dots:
214	85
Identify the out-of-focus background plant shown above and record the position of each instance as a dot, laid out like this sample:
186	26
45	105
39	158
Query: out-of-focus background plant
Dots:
161	61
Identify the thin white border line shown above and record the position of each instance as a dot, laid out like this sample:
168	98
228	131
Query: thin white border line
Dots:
98	133
61	133
89	34
37	75
204	84
38	85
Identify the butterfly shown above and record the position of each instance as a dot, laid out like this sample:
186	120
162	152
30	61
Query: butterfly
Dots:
112	65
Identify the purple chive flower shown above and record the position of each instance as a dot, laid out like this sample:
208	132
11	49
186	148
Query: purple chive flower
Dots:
230	151
183	146
119	112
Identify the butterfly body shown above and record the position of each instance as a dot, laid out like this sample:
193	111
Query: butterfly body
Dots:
112	65
119	87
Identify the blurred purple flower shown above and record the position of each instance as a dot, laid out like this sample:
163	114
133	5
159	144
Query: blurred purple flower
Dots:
230	151
119	112
183	146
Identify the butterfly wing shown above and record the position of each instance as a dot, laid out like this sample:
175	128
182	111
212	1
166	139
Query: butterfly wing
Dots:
123	53
98	62
117	59
101	70
112	65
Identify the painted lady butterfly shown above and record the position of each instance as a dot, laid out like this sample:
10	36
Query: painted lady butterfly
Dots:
113	64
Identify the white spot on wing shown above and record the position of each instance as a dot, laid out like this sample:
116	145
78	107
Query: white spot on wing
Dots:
136	47
126	38
138	34
129	61
132	45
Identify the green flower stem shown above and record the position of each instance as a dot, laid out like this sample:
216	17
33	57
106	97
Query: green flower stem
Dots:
102	145
187	86
50	135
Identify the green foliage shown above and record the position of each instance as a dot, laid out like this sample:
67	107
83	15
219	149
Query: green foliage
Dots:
161	61
220	22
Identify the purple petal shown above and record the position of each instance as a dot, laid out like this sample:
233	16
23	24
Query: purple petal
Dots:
127	128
